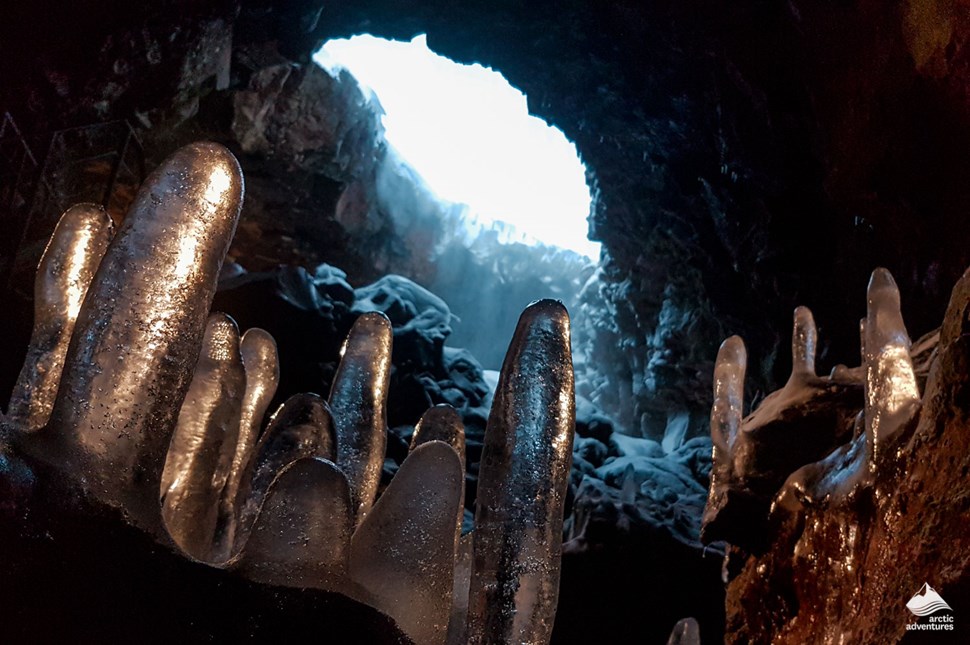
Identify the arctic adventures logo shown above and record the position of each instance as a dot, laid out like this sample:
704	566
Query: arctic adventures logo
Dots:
927	602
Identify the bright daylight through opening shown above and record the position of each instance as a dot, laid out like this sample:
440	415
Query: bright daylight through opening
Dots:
469	134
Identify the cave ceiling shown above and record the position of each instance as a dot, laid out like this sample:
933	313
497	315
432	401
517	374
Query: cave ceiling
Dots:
746	157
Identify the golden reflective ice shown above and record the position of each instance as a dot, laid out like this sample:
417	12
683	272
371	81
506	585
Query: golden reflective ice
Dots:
358	399
65	271
261	364
139	331
209	418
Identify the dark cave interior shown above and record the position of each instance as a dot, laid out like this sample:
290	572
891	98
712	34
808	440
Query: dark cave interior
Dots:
745	158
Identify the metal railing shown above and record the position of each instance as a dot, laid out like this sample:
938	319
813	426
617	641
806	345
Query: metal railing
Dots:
103	163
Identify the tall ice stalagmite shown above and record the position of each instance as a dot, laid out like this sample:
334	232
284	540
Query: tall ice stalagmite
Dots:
209	419
358	401
139	331
522	485
66	269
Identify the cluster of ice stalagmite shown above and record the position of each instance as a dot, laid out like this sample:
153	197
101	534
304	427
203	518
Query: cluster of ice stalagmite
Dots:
838	526
159	404
891	397
892	402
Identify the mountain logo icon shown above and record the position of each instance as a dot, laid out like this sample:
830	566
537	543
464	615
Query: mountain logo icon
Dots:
927	601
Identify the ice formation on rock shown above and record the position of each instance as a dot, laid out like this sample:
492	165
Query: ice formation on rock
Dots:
301	427
796	425
302	534
892	398
851	534
160	406
261	363
66	269
523	474
726	414
685	632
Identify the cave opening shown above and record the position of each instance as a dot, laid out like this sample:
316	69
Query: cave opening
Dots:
495	199
468	132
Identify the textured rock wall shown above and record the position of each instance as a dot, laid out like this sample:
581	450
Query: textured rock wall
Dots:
746	157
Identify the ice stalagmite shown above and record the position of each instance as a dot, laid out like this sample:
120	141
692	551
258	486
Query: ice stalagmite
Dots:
140	328
442	423
209	418
301	427
803	341
726	415
357	399
522	484
403	553
261	362
458	623
685	632
69	262
891	394
302	533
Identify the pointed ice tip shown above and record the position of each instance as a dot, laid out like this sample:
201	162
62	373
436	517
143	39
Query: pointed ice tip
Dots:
259	348
732	351
881	282
373	321
441	423
549	316
685	632
546	307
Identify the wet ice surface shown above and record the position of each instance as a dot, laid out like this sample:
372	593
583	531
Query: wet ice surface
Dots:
403	552
863	525
261	364
358	399
685	632
66	269
302	535
523	472
208	422
301	427
139	331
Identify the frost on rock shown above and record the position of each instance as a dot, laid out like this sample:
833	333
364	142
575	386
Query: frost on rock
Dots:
358	399
522	483
301	537
403	553
208	420
139	331
65	271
